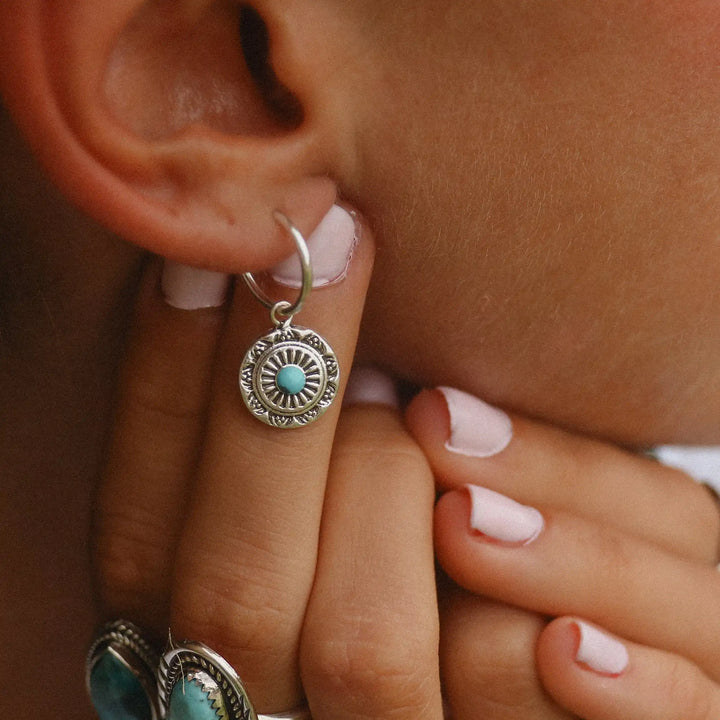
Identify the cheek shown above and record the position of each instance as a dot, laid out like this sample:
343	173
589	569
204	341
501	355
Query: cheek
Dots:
634	360
547	219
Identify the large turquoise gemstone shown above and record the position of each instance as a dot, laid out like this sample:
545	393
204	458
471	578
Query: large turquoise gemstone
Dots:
195	700
116	692
291	379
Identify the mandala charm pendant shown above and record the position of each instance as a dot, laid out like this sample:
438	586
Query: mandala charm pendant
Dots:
289	377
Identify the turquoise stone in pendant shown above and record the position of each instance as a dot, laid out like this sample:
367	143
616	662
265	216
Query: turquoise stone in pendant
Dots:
291	379
196	698
116	692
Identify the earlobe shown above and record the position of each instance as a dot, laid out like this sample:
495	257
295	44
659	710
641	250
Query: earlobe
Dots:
165	121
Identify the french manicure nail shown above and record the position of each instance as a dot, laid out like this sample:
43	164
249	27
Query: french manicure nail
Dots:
370	386
331	246
599	651
500	518
476	428
189	288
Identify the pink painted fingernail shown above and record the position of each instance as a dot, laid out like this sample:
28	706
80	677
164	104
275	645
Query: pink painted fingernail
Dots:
476	428
331	246
370	386
189	288
500	518
599	651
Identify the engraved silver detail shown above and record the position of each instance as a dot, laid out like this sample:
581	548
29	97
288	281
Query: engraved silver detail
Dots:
195	662
289	345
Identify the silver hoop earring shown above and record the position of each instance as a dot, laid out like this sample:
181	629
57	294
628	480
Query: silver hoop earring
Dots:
290	376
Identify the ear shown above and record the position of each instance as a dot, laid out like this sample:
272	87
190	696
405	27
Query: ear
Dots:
179	124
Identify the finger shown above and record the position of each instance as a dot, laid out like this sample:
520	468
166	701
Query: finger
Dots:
468	441
487	656
369	645
558	564
601	677
247	556
152	455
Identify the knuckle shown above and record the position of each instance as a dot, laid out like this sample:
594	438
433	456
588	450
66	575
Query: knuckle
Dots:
246	619
689	691
363	432
259	639
396	454
370	670
132	556
612	558
490	671
156	399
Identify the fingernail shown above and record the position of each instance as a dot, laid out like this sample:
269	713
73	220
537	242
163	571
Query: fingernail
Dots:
189	288
368	386
599	651
476	428
500	518
331	246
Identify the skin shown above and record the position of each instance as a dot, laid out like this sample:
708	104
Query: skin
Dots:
573	128
584	144
566	196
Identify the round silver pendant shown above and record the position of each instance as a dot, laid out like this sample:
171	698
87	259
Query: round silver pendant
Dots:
289	377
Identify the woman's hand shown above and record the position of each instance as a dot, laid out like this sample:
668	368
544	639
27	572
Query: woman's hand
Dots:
304	557
598	538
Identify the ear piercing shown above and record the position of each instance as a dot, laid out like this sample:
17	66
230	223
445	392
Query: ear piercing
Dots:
289	377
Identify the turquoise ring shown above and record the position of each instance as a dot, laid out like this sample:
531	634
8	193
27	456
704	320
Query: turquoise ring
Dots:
196	683
120	674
